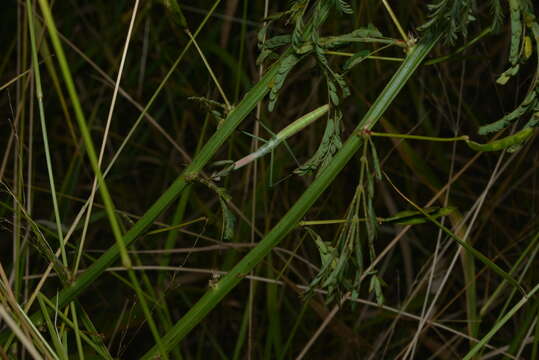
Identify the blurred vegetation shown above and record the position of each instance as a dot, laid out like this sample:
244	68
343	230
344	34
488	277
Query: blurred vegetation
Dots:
419	248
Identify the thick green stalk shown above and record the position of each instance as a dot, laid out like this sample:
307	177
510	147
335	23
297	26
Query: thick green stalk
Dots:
199	311
107	200
239	113
39	95
248	103
207	152
92	156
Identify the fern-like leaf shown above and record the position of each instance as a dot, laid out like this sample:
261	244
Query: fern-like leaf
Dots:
284	69
343	6
451	16
330	144
530	102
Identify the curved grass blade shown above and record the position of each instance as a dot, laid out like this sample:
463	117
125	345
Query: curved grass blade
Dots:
240	112
510	315
234	118
405	217
413	217
485	260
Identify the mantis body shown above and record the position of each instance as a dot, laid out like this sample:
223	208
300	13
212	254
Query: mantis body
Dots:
277	139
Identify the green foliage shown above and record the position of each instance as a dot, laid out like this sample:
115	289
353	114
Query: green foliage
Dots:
523	21
528	104
508	74
356	59
159	207
496	11
414	217
218	110
453	16
307	42
343	261
284	69
228	218
375	286
330	144
344	7
512	142
40	243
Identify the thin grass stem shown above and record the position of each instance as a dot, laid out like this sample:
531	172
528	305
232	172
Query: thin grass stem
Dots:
298	210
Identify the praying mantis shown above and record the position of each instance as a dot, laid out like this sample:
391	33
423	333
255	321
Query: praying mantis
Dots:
293	128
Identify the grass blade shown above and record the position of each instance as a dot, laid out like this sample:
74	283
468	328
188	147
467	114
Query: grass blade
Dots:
294	215
239	113
500	323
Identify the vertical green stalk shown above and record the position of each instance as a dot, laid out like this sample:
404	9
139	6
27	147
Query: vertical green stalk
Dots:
500	323
179	213
39	95
206	153
77	331
19	258
92	156
52	331
242	49
240	112
199	311
107	200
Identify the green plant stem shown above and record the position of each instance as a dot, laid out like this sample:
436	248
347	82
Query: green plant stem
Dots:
214	295
239	113
12	324
39	95
496	145
210	71
434	61
78	342
46	302
107	200
92	156
248	103
535	344
396	22
52	330
144	111
481	35
526	254
508	316
417	137
485	260
406	217
373	57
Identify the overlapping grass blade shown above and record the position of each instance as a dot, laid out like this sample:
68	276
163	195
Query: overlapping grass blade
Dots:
302	205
